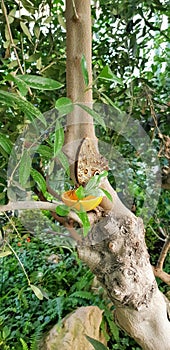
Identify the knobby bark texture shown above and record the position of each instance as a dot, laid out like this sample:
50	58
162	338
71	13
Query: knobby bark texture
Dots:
116	252
115	249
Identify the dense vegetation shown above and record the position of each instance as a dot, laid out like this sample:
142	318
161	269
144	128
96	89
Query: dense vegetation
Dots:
131	74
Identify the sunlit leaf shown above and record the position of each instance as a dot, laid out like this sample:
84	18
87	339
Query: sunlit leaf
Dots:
80	193
39	179
92	183
26	30
29	6
107	194
5	143
62	210
45	151
11	16
64	106
59	138
5	332
6	253
39	82
37	292
24	168
28	108
24	344
61	21
22	86
37	31
85	221
101	175
109	101
108	75
64	161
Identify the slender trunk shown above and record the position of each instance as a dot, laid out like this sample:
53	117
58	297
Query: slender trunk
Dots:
78	42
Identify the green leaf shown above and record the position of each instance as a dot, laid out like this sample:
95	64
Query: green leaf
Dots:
5	143
24	345
81	294
94	114
51	167
111	102
24	168
38	82
107	194
94	182
37	292
80	193
5	332
107	74
85	221
45	151
28	108
6	253
96	192
64	161
22	86
11	15
104	173
64	106
61	21
38	178
62	210
26	30
84	70
37	31
29	6
96	344
59	138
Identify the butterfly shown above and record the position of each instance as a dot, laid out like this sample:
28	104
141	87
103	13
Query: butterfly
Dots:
89	161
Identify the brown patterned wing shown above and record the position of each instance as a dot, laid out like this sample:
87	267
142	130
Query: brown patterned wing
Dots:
89	162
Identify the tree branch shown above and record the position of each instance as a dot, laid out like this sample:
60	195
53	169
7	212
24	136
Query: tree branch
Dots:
163	253
158	269
36	205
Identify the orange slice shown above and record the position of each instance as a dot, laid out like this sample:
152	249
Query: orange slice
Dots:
88	203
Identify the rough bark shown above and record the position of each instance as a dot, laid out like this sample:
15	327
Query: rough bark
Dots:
115	251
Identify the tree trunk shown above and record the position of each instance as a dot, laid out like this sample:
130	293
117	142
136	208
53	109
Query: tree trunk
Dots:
115	249
78	44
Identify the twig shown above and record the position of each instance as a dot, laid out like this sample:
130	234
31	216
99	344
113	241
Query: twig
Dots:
158	269
12	224
155	233
165	277
70	228
21	264
29	205
163	254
